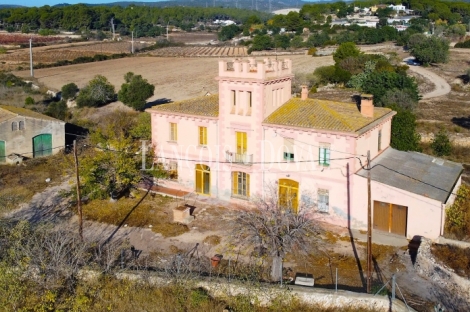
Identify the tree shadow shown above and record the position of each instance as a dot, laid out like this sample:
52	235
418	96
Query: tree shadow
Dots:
351	237
462	121
125	218
413	247
465	78
157	102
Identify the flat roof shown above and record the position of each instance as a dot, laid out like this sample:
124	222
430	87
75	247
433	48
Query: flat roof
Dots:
415	172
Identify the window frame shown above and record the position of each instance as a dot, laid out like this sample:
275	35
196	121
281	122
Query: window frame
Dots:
240	184
379	141
14	126
324	155
202	136
323	200
173	132
21	125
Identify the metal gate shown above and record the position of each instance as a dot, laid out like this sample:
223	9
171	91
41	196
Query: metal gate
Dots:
390	218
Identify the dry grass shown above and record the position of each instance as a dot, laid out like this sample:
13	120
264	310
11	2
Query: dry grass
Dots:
142	211
18	183
212	240
454	257
460	154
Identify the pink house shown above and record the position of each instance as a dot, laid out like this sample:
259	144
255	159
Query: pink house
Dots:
253	136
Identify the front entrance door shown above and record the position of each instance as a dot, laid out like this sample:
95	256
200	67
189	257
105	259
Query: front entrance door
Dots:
42	145
390	218
203	179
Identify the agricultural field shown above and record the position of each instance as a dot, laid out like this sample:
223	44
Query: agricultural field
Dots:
200	51
17	39
174	78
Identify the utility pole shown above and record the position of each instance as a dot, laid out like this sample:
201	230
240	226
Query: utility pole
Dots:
132	51
112	27
31	56
369	228
79	200
168	24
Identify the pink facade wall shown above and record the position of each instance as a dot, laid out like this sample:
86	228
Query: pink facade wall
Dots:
270	88
425	215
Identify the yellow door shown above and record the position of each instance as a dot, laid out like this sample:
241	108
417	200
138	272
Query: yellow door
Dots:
241	143
289	194
203	178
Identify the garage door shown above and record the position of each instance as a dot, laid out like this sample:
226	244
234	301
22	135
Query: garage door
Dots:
2	152
390	218
42	145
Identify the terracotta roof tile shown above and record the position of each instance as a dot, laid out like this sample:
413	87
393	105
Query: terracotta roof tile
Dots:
202	106
323	114
13	111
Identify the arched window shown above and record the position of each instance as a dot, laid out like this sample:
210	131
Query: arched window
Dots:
289	194
14	126
21	125
240	184
203	179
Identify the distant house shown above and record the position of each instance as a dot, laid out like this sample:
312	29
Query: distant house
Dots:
28	134
398	8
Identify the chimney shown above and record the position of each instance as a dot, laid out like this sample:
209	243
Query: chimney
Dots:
367	105
304	94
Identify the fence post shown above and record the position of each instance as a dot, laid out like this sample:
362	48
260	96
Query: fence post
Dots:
229	270
393	287
336	283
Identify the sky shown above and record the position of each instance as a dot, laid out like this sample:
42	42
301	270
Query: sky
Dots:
40	3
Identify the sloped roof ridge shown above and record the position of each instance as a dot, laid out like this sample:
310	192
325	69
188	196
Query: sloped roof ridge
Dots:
20	111
335	114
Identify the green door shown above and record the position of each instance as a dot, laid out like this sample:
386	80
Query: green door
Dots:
42	145
2	152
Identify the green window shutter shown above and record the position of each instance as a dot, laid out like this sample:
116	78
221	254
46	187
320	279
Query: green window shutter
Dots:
2	152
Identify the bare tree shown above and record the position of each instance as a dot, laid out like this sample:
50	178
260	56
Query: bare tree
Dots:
275	226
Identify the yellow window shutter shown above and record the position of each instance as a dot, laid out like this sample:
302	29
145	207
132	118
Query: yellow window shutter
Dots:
234	182
248	185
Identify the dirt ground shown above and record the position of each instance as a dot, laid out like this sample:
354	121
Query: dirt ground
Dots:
211	231
174	78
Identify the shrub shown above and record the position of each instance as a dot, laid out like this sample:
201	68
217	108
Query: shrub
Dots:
457	222
312	51
29	101
441	145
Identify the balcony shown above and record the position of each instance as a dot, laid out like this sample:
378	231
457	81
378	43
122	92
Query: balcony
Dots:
244	159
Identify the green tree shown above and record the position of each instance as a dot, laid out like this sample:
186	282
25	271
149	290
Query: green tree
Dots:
404	136
58	110
345	50
98	92
142	129
429	49
441	145
135	91
69	91
228	32
297	42
378	83
115	165
281	41
262	42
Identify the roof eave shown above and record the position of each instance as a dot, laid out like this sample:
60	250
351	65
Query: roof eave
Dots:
152	111
376	122
311	129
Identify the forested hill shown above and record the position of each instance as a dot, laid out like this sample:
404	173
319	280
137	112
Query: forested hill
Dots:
260	5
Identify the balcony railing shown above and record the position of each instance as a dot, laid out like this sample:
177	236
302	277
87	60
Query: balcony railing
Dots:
245	159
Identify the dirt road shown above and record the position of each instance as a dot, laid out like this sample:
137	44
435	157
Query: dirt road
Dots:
441	85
